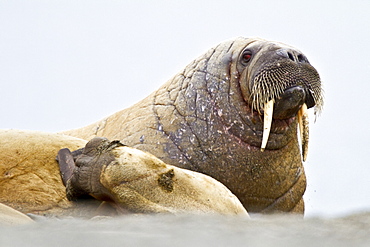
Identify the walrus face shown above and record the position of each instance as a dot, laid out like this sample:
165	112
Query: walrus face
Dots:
278	81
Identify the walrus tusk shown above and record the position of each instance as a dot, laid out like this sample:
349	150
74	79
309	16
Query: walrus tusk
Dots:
303	129
303	126
267	120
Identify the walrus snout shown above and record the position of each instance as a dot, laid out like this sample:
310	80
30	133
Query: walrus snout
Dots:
282	85
275	73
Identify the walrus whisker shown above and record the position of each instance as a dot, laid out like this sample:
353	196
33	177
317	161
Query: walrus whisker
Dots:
267	120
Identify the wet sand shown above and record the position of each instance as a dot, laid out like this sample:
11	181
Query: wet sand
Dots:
139	230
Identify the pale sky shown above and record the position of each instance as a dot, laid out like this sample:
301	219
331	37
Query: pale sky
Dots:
66	64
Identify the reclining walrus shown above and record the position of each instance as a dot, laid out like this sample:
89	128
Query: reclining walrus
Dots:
129	180
213	117
232	114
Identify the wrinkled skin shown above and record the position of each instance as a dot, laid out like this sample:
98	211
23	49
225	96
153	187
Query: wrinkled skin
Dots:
207	119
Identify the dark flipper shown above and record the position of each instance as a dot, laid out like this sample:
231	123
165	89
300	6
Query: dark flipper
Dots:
68	168
81	169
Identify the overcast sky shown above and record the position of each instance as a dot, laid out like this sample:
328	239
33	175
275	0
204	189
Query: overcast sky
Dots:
66	64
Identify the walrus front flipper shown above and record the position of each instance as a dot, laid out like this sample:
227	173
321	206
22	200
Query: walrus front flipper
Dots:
66	164
68	168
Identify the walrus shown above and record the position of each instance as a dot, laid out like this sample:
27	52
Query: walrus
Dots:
105	179
231	114
137	182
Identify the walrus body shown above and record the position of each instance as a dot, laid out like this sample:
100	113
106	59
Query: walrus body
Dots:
209	119
132	180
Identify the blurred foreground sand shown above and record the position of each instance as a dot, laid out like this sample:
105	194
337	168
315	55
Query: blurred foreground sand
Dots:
163	230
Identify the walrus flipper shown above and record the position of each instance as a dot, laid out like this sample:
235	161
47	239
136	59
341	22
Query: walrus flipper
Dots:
67	167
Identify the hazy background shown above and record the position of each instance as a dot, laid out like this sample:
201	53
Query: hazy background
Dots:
66	64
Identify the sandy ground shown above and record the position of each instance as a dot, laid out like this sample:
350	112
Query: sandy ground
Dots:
352	230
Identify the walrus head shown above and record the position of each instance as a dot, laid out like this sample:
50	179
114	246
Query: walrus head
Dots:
279	82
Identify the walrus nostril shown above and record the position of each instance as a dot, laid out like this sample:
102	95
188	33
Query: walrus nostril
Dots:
302	59
291	57
291	54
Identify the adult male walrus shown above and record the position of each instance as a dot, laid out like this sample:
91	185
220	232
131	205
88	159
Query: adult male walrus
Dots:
231	114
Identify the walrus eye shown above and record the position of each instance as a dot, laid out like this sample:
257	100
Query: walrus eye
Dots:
246	57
